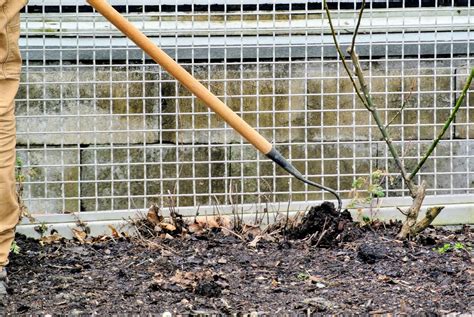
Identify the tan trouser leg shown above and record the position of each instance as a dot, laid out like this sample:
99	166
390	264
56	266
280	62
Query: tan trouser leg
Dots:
10	64
9	211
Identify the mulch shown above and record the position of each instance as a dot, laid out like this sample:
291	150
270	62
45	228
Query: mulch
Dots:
216	271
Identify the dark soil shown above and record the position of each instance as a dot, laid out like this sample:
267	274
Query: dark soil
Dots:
326	227
217	272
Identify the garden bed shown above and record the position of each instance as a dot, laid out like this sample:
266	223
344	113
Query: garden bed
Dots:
226	271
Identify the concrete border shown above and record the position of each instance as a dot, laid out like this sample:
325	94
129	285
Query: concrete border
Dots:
458	210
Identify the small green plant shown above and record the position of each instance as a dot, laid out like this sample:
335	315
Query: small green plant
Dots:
14	248
302	276
445	248
20	176
368	191
448	246
42	229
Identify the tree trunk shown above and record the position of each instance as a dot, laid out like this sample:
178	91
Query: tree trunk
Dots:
413	211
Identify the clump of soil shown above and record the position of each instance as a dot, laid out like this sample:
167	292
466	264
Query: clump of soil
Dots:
326	227
371	253
216	271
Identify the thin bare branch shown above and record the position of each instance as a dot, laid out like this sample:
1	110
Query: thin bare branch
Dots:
356	30
232	232
386	137
367	101
363	85
405	102
341	54
459	101
402	211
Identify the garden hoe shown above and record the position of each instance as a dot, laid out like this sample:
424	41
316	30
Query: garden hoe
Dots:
214	103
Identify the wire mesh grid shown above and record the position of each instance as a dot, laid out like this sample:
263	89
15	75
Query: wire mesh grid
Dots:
101	127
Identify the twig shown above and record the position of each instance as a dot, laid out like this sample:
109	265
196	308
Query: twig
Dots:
405	102
321	237
402	211
323	233
367	101
341	55
66	267
386	137
287	217
356	30
232	232
152	244
446	125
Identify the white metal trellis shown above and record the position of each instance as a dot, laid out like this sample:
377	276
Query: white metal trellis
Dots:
101	128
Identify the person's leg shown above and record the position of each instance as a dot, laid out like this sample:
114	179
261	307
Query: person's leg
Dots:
10	65
9	211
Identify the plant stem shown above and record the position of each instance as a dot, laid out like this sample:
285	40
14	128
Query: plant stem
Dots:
431	214
386	137
394	153
363	85
356	30
405	102
413	211
367	99
341	55
446	125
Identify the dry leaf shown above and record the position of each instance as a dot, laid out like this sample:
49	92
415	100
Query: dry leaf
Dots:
167	226
195	228
115	233
254	230
190	279
211	223
154	215
50	239
79	235
317	279
253	243
184	279
224	222
384	278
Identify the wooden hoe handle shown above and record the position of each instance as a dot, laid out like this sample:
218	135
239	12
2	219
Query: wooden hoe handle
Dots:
216	105
185	78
